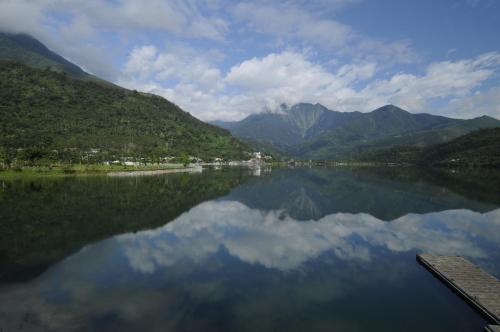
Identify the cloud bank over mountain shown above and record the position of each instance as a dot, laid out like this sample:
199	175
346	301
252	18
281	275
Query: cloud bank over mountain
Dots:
221	59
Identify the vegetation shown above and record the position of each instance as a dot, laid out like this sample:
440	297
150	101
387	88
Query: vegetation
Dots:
51	117
55	170
28	50
477	149
480	148
45	219
308	131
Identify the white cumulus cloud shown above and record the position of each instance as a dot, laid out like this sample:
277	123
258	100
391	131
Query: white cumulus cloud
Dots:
290	77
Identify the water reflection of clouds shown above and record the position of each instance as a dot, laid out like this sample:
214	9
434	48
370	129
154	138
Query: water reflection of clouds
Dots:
99	282
264	237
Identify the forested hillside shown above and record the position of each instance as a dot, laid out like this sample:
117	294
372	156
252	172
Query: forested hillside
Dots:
308	131
480	148
50	116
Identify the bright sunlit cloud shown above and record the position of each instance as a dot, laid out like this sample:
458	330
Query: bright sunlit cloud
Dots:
222	59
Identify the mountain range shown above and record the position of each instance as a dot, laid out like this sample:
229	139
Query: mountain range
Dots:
312	131
52	110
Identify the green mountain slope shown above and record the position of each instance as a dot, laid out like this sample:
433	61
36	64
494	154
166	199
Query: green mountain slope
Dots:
479	148
313	132
50	116
28	50
386	127
289	127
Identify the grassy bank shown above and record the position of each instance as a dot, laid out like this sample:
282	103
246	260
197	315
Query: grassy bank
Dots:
79	169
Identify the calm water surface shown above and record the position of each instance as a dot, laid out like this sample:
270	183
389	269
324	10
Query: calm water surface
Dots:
236	250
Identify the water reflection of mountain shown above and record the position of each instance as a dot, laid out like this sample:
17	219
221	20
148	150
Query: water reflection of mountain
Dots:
306	194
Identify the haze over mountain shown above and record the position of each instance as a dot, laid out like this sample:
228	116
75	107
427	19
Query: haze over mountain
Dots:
312	131
52	110
28	50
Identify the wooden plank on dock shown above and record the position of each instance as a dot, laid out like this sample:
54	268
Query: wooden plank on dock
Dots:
492	328
478	287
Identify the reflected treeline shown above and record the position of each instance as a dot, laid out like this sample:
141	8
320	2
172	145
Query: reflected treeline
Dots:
477	184
44	219
389	193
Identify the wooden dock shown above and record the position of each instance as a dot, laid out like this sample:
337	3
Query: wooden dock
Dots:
478	287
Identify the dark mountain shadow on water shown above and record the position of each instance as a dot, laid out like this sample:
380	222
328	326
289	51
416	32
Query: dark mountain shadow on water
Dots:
386	194
46	219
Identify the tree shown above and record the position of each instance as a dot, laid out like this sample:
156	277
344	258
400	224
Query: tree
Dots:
3	158
184	159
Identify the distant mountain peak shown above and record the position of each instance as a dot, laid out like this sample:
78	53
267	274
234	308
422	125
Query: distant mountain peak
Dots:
486	117
389	108
304	116
302	106
308	105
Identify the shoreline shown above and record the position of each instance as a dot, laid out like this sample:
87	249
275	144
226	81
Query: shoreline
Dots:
155	172
85	170
78	170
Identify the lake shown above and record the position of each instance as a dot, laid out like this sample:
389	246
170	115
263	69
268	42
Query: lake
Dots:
303	249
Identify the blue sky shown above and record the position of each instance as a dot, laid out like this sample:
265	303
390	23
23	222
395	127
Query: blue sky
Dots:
221	59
